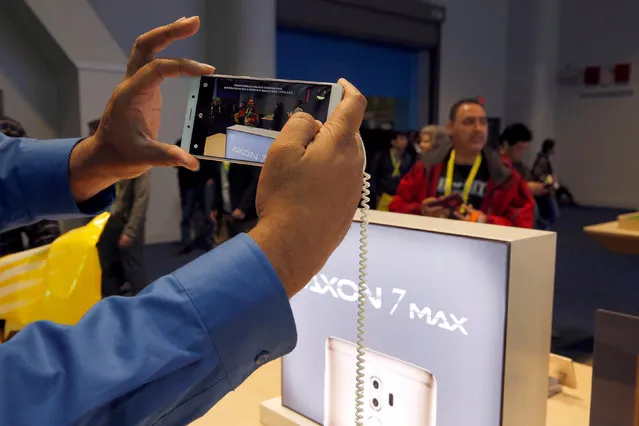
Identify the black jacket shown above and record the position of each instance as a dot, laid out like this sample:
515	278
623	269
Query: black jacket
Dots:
383	180
542	167
243	181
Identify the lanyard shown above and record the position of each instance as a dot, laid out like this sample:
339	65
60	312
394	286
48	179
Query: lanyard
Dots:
469	180
396	165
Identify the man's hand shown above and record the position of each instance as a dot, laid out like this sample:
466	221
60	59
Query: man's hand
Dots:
126	145
125	241
309	190
434	211
537	188
238	214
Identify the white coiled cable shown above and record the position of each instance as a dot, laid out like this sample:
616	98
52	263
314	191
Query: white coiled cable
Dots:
362	288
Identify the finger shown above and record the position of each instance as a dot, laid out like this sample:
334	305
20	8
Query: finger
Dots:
299	130
151	43
160	154
347	118
152	74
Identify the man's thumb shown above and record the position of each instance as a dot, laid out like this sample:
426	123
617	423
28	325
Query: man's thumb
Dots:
300	130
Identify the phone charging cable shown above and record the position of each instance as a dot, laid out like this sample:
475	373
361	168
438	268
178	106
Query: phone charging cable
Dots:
362	288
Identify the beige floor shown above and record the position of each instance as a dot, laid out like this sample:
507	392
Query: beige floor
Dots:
241	408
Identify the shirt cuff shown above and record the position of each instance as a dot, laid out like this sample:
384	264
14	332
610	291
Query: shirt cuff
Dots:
45	172
249	318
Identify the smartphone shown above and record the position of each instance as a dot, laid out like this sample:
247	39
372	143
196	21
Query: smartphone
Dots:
395	392
452	201
236	119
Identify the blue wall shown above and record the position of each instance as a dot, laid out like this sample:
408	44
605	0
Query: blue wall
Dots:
376	69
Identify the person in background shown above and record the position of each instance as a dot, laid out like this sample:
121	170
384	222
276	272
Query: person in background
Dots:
433	136
491	192
299	107
193	187
234	200
543	171
413	140
515	141
39	234
247	116
121	245
388	169
543	168
93	126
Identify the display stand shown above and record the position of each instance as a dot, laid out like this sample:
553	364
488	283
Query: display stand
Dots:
615	384
529	259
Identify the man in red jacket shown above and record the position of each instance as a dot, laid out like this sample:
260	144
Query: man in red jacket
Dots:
491	191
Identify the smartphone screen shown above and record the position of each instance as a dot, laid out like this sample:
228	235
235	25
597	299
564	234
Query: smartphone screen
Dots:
237	118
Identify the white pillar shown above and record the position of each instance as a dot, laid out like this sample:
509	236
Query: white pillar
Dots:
533	50
241	36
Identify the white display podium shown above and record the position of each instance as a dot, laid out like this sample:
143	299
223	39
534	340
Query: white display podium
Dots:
468	304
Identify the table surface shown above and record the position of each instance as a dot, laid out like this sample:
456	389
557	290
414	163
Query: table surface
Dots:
613	238
611	228
570	408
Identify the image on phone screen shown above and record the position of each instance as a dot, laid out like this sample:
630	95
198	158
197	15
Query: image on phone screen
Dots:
236	119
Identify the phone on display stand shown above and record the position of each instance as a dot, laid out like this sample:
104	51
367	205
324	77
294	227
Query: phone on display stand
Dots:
236	119
395	392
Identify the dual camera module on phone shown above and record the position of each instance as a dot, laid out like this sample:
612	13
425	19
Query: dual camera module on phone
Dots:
377	396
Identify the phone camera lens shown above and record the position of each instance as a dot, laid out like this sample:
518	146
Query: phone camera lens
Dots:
376	383
192	96
375	403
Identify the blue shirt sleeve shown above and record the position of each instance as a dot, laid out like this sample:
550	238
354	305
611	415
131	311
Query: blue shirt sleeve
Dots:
34	182
164	357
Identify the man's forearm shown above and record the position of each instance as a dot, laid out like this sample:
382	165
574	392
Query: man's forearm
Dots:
36	182
200	331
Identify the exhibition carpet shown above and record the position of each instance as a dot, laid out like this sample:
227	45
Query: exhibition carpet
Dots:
587	278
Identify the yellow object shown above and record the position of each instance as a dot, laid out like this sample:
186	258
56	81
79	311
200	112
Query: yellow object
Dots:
469	180
384	202
397	164
59	282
